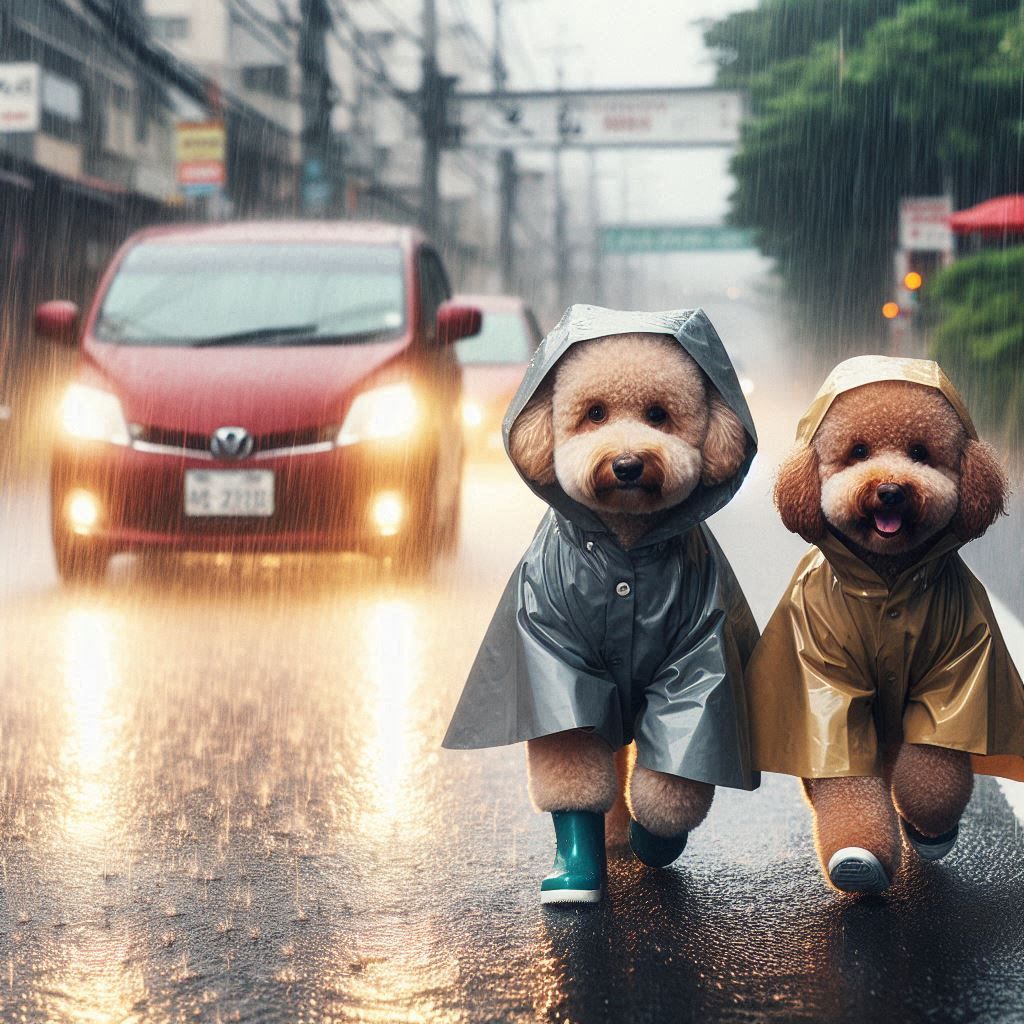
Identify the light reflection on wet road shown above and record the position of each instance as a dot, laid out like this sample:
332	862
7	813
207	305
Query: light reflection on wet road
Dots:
222	798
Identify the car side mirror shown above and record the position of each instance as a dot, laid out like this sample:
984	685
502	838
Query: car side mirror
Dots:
57	320
455	322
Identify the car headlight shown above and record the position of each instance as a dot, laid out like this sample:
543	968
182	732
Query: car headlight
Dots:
90	414
384	413
472	414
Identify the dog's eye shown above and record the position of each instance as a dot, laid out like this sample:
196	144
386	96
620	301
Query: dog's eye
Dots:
597	414
859	451
918	452
656	415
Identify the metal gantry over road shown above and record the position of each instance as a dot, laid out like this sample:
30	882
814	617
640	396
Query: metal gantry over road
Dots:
670	118
599	118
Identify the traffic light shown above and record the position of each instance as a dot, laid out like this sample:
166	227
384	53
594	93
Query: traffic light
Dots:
890	310
912	280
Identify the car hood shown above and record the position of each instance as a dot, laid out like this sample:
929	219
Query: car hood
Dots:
265	390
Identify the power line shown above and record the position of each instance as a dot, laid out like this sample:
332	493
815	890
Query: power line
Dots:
288	28
257	26
400	28
164	68
356	44
523	49
482	55
471	169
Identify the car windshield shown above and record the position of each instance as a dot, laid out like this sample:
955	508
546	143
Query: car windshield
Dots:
258	294
504	338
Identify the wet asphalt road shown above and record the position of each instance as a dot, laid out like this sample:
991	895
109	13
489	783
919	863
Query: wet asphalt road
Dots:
222	798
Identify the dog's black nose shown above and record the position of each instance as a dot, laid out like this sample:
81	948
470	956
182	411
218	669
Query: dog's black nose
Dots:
891	495
628	467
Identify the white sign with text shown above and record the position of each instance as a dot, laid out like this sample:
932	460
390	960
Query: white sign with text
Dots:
19	97
924	223
592	118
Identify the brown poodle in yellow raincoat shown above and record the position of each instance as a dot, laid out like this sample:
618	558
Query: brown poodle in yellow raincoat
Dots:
882	670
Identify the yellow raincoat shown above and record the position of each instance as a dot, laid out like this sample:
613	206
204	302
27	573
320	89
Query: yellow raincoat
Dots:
847	666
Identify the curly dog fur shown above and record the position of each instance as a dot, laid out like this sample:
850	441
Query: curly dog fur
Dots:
573	766
633	396
890	467
896	433
640	401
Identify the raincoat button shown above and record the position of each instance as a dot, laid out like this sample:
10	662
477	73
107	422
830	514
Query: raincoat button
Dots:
622	589
590	545
890	677
894	614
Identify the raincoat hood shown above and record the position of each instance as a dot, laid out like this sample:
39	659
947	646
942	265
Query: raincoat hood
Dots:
694	332
861	370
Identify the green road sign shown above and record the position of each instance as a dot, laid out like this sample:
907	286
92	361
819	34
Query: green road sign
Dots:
627	238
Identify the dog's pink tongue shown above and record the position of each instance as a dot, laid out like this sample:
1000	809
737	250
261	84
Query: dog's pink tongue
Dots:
888	522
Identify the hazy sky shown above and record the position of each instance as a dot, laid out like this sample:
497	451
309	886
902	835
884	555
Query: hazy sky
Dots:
608	43
605	42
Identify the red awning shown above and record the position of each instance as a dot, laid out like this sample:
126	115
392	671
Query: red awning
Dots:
999	216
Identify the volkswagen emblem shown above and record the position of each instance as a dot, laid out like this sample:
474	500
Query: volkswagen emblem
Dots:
231	443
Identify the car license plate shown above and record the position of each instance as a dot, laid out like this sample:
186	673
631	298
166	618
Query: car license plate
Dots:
229	492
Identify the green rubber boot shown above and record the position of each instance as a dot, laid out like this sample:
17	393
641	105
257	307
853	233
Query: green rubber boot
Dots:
579	870
652	850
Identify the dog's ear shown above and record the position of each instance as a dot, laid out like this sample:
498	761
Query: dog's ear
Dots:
798	494
725	444
531	441
983	490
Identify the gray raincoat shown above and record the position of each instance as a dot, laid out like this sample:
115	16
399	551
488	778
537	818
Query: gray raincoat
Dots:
647	644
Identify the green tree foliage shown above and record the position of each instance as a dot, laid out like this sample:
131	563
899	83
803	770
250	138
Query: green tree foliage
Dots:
749	43
855	104
979	305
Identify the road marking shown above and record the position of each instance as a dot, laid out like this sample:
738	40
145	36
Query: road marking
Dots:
1013	633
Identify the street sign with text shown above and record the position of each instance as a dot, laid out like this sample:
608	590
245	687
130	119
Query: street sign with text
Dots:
630	238
599	118
924	224
20	97
201	150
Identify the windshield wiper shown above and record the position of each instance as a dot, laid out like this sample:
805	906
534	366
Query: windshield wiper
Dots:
345	337
260	334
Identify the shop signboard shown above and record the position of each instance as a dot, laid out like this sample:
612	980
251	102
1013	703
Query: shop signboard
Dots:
201	150
20	93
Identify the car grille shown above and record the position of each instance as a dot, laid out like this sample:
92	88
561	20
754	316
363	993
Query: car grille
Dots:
280	441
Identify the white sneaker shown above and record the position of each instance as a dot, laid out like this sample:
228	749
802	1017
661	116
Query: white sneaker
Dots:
930	847
855	870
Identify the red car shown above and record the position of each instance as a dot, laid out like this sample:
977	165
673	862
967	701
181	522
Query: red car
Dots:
262	387
493	364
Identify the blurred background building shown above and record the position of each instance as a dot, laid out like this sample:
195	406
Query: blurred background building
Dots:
138	111
119	113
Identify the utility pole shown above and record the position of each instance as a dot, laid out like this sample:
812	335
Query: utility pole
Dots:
317	186
432	115
596	265
506	166
561	241
627	262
